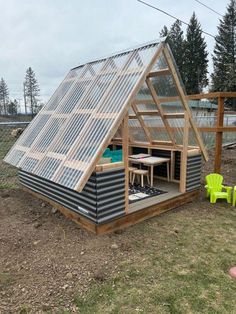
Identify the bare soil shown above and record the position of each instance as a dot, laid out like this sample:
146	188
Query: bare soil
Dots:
46	260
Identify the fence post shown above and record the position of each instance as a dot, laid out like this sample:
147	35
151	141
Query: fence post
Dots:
219	134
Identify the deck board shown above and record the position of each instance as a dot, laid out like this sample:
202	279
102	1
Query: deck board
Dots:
172	191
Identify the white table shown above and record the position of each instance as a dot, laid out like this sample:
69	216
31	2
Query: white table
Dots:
152	162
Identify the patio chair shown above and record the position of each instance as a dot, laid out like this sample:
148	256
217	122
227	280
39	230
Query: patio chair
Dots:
214	188
234	196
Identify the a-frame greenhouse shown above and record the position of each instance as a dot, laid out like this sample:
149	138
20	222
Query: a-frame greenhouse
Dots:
109	149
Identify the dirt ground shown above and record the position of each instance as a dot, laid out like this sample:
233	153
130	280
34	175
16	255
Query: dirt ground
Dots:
47	260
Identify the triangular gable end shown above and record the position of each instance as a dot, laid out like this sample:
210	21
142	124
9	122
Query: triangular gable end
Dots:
64	143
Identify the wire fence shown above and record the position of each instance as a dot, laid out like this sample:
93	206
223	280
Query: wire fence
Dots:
9	132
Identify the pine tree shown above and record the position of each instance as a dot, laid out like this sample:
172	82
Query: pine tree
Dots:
175	39
31	90
224	63
177	43
164	32
4	96
13	107
195	55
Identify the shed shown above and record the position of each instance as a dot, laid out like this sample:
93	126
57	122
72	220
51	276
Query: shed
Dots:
87	148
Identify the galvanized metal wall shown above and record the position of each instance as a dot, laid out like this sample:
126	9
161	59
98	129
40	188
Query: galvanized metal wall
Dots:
102	199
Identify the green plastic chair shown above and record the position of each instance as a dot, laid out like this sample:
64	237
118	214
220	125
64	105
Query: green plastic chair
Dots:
234	196
214	188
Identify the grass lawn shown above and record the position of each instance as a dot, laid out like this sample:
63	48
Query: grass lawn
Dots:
180	265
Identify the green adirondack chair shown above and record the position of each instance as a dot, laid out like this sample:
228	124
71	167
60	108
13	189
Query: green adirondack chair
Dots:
234	197
215	189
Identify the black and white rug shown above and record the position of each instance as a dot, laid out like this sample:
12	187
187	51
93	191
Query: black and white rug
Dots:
138	193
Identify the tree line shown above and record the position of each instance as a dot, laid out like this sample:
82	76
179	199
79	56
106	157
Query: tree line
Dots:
191	56
31	96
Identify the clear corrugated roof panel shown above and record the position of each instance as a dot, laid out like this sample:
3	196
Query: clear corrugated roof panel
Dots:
63	141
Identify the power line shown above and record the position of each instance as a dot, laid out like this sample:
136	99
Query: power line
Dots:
209	8
172	16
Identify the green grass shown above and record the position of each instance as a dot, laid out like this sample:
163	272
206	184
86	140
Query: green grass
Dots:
7	186
181	266
8	173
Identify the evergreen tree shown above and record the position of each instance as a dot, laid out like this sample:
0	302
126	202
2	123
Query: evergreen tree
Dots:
195	55
224	63
13	107
4	96
177	44
175	39
164	32
31	90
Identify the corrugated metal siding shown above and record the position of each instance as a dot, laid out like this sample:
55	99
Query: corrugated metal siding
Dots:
102	199
177	165
193	177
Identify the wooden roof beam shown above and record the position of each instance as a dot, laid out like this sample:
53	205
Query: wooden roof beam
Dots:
159	73
213	95
150	100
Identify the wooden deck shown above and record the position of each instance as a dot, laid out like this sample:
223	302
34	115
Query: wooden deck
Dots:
171	188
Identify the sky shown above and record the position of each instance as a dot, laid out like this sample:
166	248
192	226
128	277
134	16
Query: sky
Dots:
53	36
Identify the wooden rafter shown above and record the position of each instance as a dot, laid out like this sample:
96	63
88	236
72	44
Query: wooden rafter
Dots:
184	100
161	112
159	73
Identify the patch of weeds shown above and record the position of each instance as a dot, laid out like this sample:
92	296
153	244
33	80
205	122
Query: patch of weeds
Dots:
7	186
60	312
24	309
99	295
5	278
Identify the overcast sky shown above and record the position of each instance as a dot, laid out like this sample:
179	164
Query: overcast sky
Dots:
53	36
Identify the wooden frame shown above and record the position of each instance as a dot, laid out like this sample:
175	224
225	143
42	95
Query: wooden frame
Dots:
120	118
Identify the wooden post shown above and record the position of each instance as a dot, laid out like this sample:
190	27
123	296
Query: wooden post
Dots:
125	147
219	134
184	155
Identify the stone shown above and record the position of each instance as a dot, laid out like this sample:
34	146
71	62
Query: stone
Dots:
114	246
46	307
54	210
65	287
69	275
37	224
